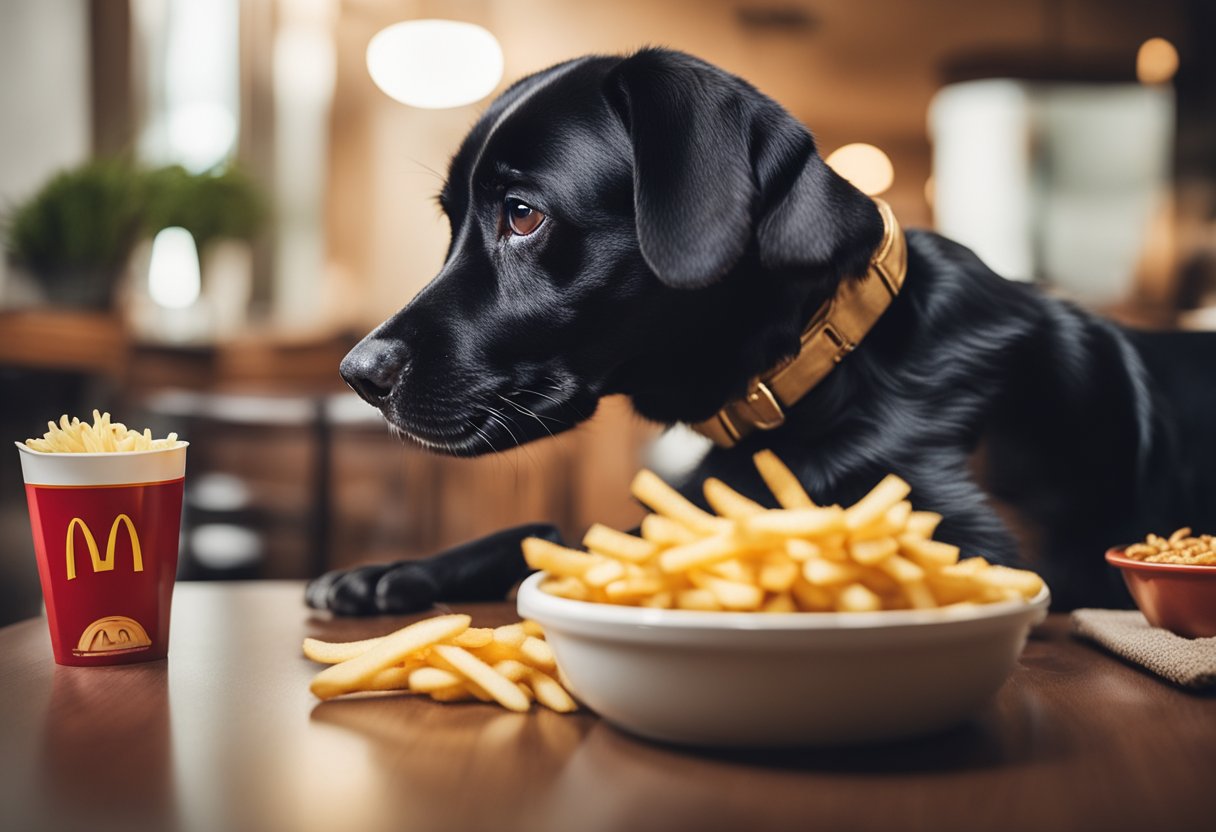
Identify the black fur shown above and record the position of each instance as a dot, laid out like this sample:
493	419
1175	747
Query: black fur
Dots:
691	231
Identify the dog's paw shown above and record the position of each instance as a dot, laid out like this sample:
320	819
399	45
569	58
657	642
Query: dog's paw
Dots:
405	588
346	592
480	570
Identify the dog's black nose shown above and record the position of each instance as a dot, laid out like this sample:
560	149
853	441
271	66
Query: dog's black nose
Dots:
373	367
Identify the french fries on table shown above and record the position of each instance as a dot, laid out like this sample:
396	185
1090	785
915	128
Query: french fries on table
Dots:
450	661
878	554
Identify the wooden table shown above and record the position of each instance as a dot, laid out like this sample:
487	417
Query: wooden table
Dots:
225	736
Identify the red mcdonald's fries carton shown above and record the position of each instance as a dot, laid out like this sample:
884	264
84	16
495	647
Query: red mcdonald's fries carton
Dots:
106	529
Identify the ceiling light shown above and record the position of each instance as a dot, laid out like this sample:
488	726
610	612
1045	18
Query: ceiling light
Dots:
435	64
1156	61
865	166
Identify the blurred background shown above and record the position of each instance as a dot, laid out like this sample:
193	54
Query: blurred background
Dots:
205	203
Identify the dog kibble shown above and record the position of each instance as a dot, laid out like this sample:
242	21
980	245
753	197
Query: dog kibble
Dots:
1179	547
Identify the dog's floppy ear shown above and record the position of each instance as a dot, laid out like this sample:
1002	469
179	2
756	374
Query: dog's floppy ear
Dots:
717	164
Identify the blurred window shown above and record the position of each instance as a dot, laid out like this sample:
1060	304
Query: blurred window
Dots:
1059	182
188	54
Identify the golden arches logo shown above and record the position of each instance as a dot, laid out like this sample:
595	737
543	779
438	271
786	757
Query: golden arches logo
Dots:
112	634
101	564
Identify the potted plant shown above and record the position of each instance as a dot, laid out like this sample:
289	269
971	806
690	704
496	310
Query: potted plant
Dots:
212	206
73	236
223	210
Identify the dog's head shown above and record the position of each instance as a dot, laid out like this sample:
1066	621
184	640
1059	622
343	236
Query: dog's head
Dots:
648	225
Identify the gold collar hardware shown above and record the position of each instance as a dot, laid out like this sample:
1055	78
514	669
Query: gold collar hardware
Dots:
834	331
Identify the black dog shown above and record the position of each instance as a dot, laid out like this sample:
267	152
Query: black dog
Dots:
655	227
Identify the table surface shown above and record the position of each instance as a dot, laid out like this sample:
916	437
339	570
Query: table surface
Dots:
225	736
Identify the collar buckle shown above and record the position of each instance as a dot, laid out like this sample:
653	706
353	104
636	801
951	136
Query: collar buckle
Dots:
833	332
765	411
758	410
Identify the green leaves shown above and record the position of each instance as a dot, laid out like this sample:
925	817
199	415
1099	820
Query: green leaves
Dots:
84	219
211	206
88	218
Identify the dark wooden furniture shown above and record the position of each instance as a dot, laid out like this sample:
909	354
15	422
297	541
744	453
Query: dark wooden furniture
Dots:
58	340
226	736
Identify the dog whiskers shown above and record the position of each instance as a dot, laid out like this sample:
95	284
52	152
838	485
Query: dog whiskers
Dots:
501	418
483	436
525	410
542	395
556	387
428	169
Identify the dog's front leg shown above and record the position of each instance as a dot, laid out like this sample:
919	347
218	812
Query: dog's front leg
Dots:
969	519
484	569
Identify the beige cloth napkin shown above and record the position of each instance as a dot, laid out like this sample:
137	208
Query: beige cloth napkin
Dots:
1189	662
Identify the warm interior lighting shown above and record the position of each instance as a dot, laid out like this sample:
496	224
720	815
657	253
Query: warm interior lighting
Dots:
201	135
864	165
173	273
1156	61
435	64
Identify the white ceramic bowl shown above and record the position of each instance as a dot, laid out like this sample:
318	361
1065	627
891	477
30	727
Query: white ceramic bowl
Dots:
782	679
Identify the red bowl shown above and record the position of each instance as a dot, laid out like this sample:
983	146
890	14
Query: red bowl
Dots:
1179	597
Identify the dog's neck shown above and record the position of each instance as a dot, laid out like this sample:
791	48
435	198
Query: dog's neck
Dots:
835	329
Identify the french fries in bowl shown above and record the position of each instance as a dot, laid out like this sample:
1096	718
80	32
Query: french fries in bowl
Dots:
802	625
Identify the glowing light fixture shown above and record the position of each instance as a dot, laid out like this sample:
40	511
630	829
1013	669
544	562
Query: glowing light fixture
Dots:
201	135
1156	61
865	166
173	273
435	64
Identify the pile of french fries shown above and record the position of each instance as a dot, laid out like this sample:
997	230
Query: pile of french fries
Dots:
450	661
878	554
103	436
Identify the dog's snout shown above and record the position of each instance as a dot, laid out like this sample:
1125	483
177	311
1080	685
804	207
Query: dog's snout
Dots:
372	369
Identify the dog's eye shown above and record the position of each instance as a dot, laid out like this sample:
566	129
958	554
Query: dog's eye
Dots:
522	219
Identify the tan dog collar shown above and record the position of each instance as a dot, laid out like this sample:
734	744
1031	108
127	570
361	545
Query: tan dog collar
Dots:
835	330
